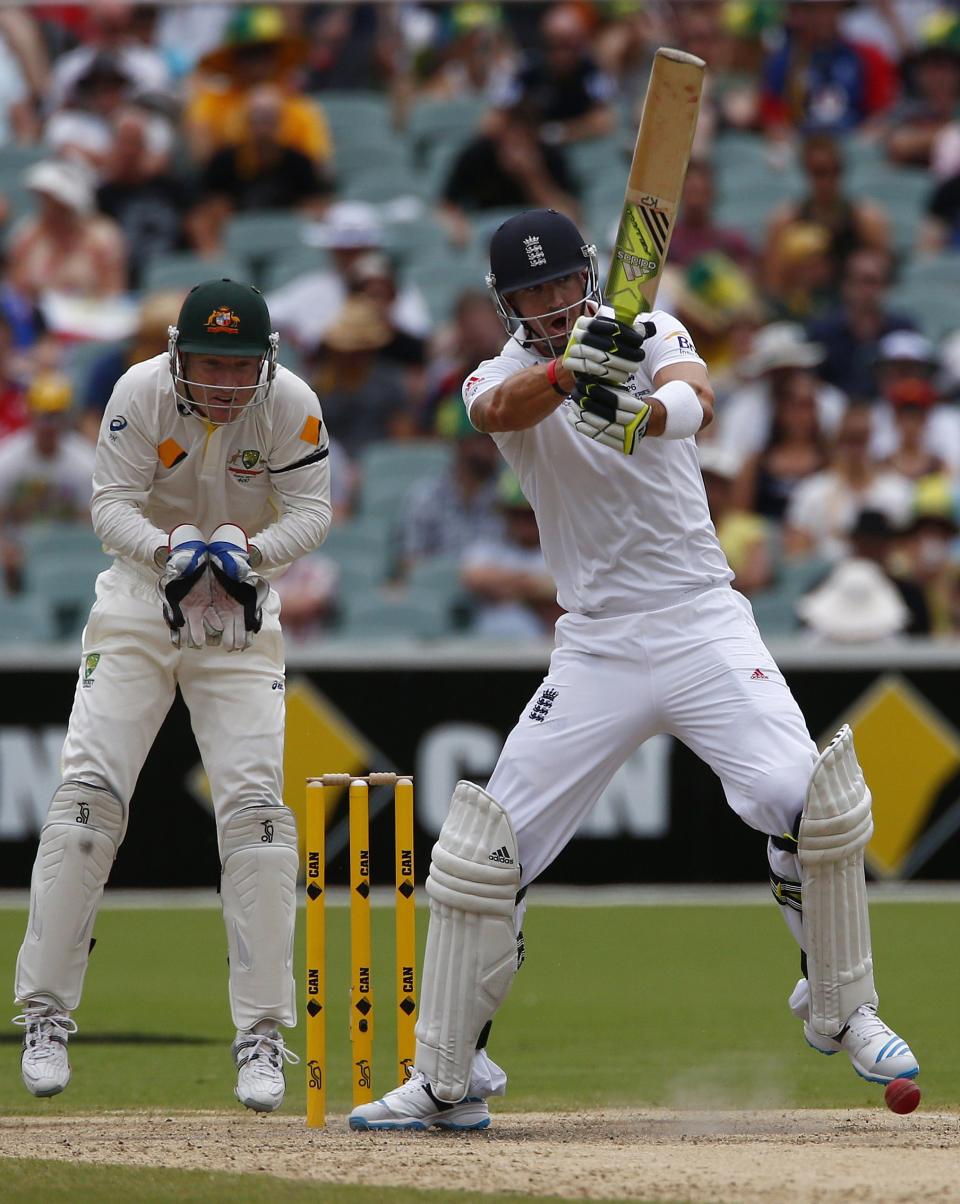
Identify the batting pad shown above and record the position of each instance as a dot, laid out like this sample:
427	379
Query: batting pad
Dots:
258	890
78	842
471	953
835	826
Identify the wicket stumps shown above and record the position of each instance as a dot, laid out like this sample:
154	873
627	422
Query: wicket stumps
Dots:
361	983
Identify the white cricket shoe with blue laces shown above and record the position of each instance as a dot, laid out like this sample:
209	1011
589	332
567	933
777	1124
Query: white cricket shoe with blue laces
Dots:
878	1054
414	1106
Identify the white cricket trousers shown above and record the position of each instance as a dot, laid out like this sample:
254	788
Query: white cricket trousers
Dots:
129	673
697	670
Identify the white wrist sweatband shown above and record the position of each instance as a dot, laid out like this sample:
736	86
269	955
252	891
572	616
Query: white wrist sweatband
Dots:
684	411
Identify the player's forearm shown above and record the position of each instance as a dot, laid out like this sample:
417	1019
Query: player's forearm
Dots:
301	529
522	400
123	529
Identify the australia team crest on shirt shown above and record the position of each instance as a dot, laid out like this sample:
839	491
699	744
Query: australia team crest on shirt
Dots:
245	464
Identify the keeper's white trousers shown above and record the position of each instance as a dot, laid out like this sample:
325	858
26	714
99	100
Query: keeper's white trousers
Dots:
129	673
699	671
235	699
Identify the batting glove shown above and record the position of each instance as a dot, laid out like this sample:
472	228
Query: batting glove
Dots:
613	416
238	592
183	586
603	348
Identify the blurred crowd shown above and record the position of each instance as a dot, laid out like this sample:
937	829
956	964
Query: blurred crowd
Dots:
353	159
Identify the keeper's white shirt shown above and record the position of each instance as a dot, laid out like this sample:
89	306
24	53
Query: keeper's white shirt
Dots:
159	465
620	534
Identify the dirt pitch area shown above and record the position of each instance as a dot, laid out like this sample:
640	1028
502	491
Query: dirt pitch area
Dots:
734	1157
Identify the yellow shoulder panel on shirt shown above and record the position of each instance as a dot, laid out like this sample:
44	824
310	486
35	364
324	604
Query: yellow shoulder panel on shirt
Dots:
311	430
170	453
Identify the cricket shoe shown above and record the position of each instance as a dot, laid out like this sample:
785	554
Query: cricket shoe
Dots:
260	1058
44	1064
877	1053
414	1106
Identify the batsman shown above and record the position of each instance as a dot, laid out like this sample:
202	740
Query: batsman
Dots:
198	446
598	417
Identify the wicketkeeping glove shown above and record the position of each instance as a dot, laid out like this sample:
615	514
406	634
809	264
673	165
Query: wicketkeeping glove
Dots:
611	415
604	348
237	591
183	586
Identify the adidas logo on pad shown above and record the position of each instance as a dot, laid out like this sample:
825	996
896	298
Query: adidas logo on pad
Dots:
502	855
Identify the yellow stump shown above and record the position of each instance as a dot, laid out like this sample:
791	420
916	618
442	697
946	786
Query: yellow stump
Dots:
316	1001
361	987
406	941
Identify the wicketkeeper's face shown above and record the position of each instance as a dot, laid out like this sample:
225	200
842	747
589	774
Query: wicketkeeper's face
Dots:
220	385
549	310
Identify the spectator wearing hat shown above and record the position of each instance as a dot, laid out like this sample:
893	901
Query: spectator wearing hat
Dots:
912	402
515	597
66	247
112	31
46	470
568	97
927	553
851	334
362	398
471	54
803	252
258	49
823	509
795	449
850	224
259	171
84	128
744	536
444	515
818	80
908	376
304	308
779	353
857	604
873	538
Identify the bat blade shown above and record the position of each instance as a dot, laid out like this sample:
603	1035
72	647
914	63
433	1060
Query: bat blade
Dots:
660	158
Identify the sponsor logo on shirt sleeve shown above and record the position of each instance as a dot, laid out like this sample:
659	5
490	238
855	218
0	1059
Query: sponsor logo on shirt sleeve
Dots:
680	341
470	388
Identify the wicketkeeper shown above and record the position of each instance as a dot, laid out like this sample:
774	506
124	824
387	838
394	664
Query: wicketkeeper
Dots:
197	447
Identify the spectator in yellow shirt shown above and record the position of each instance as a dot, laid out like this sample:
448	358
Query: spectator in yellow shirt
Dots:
258	50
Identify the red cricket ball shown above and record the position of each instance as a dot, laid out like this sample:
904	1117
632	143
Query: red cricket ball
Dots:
902	1096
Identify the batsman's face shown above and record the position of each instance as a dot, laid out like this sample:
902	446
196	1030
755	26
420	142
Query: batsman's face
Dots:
549	310
221	384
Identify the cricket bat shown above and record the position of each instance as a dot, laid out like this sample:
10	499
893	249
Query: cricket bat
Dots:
657	172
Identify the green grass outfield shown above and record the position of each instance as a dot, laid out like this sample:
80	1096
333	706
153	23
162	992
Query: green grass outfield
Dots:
631	1006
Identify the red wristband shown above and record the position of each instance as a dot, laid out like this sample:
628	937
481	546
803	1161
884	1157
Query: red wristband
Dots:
552	378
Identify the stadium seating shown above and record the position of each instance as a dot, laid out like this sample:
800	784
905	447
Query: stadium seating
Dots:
388	470
25	619
182	269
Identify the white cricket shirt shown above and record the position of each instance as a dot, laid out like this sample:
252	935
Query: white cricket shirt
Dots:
159	465
620	534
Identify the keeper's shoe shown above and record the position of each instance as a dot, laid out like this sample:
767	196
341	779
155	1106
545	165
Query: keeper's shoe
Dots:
44	1063
414	1106
877	1053
260	1058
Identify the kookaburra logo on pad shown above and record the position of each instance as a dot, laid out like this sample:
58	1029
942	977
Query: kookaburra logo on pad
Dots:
535	255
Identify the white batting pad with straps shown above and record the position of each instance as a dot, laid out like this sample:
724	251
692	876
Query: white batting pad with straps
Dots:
835	826
258	888
471	953
78	843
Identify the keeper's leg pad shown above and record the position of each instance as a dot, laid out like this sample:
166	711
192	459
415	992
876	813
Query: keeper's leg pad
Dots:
835	826
258	888
471	953
78	843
